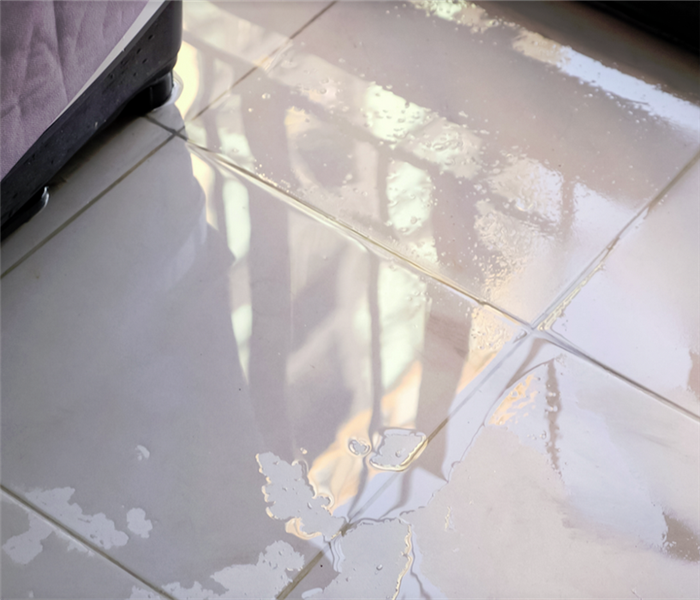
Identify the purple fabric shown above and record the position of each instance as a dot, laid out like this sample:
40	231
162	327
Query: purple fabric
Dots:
49	50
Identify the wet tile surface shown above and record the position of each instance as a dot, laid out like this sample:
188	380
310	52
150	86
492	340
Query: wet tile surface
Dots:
42	561
212	337
639	312
551	471
222	42
276	360
91	171
494	158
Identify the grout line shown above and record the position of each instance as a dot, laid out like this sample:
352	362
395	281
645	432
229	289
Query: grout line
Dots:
254	68
75	216
170	130
491	369
220	96
530	328
289	588
356	518
327	218
559	341
313	19
536	327
96	549
546	319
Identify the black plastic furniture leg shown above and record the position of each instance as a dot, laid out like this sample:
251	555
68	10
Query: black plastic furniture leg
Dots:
155	95
28	210
142	74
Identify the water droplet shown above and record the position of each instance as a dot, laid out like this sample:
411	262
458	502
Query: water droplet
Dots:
379	567
358	447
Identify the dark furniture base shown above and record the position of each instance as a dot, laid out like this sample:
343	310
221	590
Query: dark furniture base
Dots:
137	82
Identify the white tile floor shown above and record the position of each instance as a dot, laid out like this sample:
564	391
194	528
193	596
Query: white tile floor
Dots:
395	300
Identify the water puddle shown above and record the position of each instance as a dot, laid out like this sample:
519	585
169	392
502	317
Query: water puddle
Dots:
292	499
371	560
398	447
265	579
97	528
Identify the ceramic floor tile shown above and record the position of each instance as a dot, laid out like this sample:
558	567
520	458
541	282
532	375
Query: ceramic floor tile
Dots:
556	470
500	160
89	173
212	375
41	561
222	41
638	313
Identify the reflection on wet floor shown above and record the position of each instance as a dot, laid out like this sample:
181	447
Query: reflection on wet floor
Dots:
370	155
418	344
343	353
559	456
662	355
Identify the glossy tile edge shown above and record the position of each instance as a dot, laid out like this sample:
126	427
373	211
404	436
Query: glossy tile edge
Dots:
547	318
568	346
545	322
